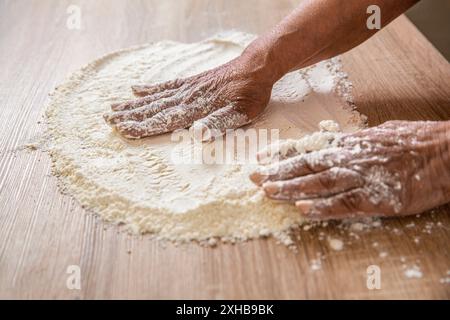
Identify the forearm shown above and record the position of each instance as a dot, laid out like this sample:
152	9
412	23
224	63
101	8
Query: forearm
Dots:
318	30
431	142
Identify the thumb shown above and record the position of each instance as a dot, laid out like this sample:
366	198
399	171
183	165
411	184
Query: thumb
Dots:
217	123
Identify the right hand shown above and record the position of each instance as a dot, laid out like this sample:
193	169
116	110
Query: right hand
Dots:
398	168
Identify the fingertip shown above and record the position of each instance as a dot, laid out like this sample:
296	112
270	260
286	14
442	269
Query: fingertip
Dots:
106	117
305	207
128	130
265	158
201	132
271	188
118	106
262	157
257	177
140	90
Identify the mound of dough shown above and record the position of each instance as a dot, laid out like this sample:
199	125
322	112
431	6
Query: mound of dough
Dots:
137	183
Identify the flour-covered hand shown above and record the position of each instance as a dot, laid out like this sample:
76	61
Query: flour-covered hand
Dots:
226	97
397	168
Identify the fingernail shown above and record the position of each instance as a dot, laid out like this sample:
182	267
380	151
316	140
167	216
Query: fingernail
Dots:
138	90
258	177
263	158
304	206
107	117
271	188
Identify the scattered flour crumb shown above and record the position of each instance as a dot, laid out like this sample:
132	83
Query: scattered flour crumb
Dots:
357	226
212	242
336	244
413	272
32	146
316	264
376	223
445	280
329	125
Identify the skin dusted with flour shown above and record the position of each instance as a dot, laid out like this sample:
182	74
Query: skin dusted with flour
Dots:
398	168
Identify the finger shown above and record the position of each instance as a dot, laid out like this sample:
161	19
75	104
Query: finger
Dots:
218	122
145	90
277	151
323	184
350	204
200	93
300	165
137	103
291	148
140	113
167	120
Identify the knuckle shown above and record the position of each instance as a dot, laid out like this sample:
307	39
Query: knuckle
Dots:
352	201
328	180
352	176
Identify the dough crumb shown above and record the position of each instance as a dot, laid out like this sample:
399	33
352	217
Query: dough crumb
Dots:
329	125
336	244
357	226
316	264
413	272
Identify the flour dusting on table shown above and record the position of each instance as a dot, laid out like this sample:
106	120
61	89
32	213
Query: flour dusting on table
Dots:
137	183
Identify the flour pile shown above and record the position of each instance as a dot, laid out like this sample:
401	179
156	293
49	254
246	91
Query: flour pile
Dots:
137	183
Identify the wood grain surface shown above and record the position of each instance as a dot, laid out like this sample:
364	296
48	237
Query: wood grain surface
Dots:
396	75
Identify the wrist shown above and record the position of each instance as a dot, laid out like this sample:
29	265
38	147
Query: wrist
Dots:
441	131
445	146
259	58
446	134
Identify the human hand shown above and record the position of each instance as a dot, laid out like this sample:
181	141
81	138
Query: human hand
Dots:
397	168
226	97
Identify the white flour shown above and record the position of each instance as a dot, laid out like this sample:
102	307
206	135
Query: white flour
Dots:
336	244
137	183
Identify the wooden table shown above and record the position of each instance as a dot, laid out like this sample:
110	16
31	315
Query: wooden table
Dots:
396	75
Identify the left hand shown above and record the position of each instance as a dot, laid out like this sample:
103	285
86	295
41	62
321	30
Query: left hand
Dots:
226	97
397	168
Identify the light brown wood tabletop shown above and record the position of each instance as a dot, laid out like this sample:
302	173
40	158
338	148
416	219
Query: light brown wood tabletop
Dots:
396	75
